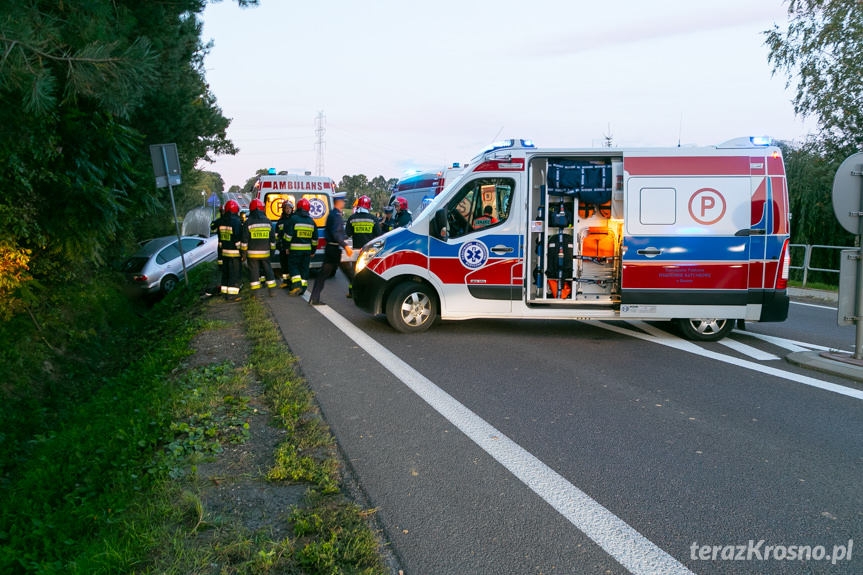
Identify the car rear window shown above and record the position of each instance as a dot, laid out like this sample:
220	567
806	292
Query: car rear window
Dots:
134	265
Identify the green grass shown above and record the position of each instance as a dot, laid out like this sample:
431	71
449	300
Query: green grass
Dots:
332	533
813	285
101	432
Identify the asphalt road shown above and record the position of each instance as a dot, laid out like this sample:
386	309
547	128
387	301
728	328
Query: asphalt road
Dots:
498	447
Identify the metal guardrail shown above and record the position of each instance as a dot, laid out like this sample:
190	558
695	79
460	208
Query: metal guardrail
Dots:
807	258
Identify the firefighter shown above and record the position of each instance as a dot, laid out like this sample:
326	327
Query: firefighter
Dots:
404	217
387	223
281	244
301	237
257	246
362	227
334	234
230	237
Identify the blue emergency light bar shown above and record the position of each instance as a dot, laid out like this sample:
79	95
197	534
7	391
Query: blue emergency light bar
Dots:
507	144
761	141
271	172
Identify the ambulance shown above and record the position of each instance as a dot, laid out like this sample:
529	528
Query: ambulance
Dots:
273	189
418	186
694	235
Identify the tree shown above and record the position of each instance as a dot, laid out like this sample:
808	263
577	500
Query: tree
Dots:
249	186
378	189
822	50
85	87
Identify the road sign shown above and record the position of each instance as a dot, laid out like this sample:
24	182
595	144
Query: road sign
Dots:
166	164
847	192
848	207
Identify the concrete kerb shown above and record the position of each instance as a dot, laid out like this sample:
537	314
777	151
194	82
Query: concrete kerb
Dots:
814	360
813	293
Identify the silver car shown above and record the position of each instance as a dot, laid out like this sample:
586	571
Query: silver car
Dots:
157	268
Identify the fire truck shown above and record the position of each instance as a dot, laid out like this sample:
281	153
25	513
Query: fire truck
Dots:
695	235
273	189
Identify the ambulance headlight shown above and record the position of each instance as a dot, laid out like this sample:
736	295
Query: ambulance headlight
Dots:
368	253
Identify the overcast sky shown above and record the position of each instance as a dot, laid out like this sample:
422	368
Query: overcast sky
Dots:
409	85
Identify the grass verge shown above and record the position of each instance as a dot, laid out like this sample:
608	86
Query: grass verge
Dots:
105	479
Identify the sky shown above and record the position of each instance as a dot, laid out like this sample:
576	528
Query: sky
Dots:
419	85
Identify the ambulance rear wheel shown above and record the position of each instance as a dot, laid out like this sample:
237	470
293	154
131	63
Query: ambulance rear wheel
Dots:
705	329
411	307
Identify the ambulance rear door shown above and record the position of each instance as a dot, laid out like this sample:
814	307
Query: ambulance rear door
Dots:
686	236
479	261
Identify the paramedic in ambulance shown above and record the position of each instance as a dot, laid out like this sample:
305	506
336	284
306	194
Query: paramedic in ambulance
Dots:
486	219
334	234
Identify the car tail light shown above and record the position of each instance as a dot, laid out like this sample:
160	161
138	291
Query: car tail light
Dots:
785	262
139	278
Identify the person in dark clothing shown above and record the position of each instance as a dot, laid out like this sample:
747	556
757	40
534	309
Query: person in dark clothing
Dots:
257	245
334	234
214	231
362	227
404	217
281	244
230	237
301	236
387	223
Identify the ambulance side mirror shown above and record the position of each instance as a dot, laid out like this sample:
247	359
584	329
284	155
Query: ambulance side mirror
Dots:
439	224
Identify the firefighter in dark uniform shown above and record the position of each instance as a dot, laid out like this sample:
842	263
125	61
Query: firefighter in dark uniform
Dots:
281	244
404	217
334	234
362	227
301	237
230	237
257	245
214	229
388	223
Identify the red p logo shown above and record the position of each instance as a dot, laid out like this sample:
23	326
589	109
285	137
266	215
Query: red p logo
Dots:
709	206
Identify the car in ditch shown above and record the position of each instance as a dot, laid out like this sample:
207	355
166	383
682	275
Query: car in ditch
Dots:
157	267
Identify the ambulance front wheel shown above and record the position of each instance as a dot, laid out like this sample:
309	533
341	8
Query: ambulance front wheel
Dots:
411	307
704	329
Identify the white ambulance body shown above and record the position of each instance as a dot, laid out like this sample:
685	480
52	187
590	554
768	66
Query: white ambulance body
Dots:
697	235
273	189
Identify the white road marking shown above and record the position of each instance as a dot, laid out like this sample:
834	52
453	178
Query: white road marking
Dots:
681	345
752	352
626	545
788	344
813	305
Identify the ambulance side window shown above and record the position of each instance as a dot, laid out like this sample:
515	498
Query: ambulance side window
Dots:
480	204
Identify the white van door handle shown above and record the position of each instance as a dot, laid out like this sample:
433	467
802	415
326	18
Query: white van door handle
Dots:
649	252
502	249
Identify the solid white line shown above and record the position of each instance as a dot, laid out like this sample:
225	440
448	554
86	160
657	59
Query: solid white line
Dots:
788	344
752	352
805	380
626	545
814	305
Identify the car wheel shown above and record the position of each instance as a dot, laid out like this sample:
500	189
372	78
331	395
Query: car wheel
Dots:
411	307
704	329
169	284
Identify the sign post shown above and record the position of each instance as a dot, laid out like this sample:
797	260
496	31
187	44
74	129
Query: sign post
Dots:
848	207
166	166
